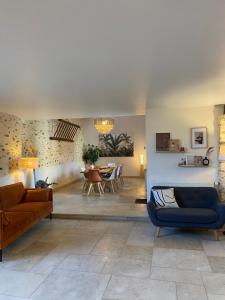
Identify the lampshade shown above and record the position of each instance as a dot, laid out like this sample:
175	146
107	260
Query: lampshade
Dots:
29	162
141	157
104	125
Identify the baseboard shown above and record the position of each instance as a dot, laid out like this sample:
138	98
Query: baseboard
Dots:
55	188
98	217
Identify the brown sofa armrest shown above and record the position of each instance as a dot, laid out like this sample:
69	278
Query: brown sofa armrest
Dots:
1	227
38	195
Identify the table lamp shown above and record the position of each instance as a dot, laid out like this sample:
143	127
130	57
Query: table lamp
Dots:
29	164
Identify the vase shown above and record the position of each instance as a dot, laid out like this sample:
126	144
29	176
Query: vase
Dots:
205	161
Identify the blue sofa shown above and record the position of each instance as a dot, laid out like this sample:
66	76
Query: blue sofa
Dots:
199	207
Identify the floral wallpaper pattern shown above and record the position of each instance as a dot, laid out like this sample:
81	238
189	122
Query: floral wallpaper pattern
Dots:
18	137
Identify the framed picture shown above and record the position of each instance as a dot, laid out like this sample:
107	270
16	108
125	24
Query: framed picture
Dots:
162	141
116	145
174	145
199	138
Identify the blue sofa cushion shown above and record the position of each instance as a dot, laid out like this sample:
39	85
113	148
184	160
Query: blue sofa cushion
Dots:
187	215
204	197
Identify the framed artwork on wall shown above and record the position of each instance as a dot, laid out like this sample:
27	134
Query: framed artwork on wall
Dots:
162	141
116	145
199	138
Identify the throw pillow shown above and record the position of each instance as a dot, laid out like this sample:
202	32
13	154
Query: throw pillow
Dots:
37	195
165	198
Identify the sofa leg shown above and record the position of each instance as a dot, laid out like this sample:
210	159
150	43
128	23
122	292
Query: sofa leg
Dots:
157	233
50	216
216	235
0	255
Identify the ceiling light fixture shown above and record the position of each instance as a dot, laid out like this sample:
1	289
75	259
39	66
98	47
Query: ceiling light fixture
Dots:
104	126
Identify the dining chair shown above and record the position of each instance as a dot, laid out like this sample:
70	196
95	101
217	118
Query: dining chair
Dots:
94	179
86	182
111	181
121	175
117	179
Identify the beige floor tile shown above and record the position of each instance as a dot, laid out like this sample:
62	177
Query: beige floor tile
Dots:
140	236
216	297
213	248
180	259
191	292
217	264
214	283
178	241
124	288
183	276
27	258
137	252
19	284
127	267
86	263
71	285
110	244
4	297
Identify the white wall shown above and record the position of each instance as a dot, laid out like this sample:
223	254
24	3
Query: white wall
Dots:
133	125
162	168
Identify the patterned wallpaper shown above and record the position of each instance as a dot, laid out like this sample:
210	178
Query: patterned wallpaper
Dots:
11	128
17	137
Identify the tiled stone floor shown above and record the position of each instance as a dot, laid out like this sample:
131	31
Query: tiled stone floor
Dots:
69	200
111	260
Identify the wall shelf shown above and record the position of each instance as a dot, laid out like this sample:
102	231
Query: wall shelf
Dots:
171	152
192	166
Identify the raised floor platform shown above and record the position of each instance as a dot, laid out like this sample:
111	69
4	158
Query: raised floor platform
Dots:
69	203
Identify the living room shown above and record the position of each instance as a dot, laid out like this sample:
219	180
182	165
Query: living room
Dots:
144	82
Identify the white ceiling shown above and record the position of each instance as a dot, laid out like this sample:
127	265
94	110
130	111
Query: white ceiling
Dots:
80	58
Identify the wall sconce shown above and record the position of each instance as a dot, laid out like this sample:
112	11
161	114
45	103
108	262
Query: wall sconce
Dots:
29	164
141	160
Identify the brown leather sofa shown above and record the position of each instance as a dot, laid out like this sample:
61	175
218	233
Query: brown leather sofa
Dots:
20	209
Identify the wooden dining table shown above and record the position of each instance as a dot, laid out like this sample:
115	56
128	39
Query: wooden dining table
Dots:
102	170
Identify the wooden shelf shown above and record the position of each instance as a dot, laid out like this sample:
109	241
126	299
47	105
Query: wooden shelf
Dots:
171	152
192	166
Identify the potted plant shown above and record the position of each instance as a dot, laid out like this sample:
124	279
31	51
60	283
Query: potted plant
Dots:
91	154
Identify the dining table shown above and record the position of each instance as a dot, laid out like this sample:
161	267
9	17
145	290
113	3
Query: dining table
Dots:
103	170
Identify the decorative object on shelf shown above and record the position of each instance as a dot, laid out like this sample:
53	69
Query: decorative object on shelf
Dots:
116	145
205	160
199	138
174	145
192	161
164	144
162	141
91	154
65	131
43	184
104	125
29	164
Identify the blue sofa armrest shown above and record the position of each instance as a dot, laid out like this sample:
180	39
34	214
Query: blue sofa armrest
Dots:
151	207
220	208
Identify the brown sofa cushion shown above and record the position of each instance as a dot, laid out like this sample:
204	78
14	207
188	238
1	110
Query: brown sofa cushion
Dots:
37	195
38	209
11	195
